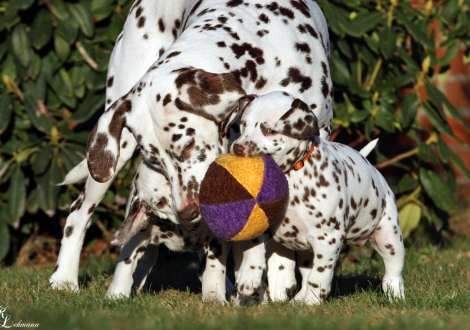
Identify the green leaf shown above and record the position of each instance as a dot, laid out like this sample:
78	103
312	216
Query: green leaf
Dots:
339	70
409	217
11	17
6	109
41	29
62	47
93	102
384	117
436	119
70	158
362	23
62	86
416	32
427	154
409	109
17	195
438	190
20	45
439	99
102	9
450	10
59	9
387	41
23	4
40	121
407	183
48	189
32	202
83	17
452	51
447	154
4	240
359	116
42	160
68	30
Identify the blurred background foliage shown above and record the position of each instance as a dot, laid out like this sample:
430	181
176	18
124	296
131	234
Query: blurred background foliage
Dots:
384	55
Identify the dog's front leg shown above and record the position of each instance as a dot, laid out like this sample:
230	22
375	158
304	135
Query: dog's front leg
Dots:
250	264
65	274
326	253
305	265
281	271
212	271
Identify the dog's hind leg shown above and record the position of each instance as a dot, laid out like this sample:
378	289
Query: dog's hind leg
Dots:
388	242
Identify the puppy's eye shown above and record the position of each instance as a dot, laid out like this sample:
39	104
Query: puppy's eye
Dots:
186	153
270	131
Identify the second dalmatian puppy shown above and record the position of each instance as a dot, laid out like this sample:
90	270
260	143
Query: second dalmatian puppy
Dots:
336	195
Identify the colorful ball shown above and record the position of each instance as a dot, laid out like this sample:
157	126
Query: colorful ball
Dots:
240	197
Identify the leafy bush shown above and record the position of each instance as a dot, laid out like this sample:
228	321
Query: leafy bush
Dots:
53	61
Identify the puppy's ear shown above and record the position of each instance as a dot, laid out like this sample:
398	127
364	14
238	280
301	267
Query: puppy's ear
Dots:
103	148
244	102
136	220
298	122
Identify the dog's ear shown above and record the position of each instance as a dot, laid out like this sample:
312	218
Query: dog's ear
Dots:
136	220
298	122
103	146
211	95
244	102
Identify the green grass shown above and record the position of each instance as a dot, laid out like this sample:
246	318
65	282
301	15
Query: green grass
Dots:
437	286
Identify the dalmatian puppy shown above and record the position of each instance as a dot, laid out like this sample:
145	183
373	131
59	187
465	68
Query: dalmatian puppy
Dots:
336	195
180	110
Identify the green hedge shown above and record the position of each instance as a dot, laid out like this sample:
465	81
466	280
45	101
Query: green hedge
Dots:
53	61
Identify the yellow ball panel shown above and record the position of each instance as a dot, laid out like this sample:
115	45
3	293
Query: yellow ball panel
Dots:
256	225
249	171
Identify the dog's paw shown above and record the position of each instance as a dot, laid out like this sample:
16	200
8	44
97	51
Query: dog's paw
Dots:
249	279
58	283
281	285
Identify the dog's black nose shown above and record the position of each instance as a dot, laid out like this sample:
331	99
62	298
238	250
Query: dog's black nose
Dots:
238	149
190	212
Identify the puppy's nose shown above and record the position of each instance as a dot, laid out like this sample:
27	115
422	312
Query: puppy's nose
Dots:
238	149
189	212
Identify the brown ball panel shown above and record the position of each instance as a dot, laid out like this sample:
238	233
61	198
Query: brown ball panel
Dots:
219	187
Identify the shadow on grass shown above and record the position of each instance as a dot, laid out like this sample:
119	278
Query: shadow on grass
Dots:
179	271
346	285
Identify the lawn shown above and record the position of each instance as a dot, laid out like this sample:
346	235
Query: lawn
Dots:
437	287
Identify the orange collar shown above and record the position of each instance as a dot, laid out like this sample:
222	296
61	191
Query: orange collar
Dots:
301	163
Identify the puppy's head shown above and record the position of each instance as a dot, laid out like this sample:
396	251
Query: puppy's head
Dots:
150	194
275	124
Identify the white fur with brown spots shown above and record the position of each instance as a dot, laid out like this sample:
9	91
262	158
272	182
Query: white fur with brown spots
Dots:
337	196
180	110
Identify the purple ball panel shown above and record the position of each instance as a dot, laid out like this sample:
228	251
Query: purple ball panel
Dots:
226	220
274	182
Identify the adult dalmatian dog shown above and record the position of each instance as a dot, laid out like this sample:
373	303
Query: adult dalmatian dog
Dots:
180	110
335	194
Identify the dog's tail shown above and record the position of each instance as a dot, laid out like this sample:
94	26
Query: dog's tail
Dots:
76	174
368	148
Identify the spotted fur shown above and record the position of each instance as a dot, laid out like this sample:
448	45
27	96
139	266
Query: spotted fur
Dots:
336	197
180	110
